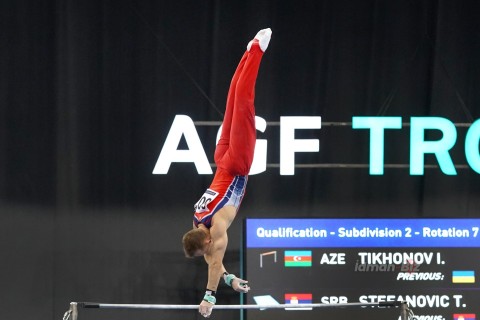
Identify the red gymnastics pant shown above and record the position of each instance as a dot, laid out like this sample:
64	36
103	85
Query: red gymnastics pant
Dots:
235	148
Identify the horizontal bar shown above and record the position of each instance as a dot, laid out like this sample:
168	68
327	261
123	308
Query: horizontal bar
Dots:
324	124
355	166
361	165
89	305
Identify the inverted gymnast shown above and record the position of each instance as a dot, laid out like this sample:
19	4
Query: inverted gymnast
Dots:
217	208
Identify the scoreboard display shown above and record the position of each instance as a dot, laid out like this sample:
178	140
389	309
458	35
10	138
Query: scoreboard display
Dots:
432	264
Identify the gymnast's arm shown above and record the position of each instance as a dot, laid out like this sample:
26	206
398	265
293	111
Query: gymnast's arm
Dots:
214	257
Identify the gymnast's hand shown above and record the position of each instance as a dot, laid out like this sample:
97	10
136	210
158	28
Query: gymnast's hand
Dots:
240	285
205	308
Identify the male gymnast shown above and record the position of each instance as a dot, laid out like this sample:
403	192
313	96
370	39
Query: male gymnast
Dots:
216	209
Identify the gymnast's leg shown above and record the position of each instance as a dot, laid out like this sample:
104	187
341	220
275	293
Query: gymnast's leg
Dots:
236	146
223	142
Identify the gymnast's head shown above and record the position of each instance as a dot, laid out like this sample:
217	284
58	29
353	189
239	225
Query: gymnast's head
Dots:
196	242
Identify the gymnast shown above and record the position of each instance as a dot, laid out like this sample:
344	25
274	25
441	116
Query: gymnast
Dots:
218	206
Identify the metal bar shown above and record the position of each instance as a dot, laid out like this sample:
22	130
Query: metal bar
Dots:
89	305
72	312
208	123
361	165
404	311
356	165
324	124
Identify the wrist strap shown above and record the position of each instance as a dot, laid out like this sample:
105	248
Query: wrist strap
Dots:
228	278
209	297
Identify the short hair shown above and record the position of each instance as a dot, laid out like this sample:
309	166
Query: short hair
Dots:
192	241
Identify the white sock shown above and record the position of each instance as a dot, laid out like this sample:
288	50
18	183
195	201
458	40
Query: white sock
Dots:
263	36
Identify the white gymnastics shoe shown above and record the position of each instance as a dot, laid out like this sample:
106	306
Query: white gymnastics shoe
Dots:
263	37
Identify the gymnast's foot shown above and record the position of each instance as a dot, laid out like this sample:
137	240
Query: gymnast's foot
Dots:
262	38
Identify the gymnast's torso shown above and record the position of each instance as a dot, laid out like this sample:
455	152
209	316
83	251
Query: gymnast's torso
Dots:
226	190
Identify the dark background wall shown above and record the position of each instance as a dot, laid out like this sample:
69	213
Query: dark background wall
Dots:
88	92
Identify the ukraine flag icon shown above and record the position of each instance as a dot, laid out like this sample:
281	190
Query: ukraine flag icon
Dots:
464	276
